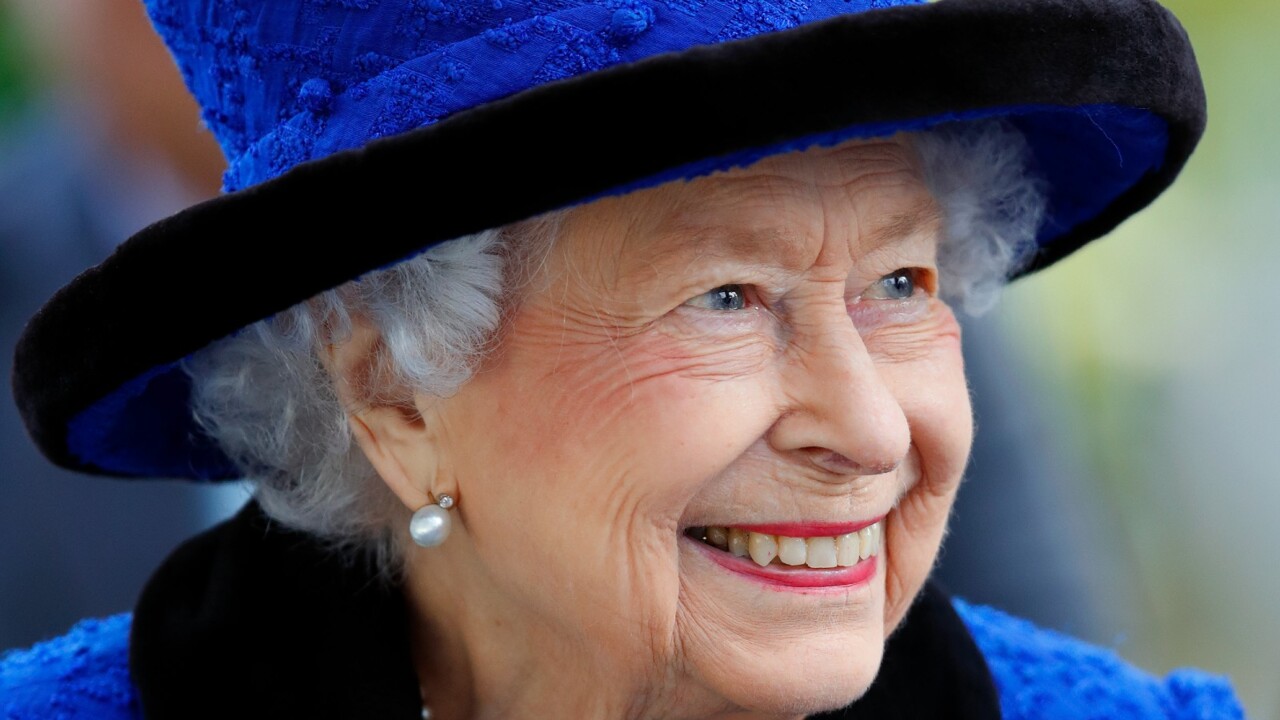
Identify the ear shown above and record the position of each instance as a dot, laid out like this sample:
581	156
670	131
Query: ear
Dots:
396	439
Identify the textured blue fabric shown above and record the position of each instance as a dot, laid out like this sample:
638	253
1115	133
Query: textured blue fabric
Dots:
293	80
83	674
1045	675
1040	674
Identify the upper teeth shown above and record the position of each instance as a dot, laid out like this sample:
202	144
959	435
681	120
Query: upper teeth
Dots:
816	552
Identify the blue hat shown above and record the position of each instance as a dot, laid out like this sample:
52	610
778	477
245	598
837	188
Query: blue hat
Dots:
342	118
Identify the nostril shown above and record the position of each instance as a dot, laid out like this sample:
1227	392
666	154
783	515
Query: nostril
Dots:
835	459
835	462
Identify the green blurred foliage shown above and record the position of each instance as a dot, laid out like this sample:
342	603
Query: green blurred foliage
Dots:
17	81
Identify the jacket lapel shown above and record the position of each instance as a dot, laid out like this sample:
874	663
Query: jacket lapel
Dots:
251	620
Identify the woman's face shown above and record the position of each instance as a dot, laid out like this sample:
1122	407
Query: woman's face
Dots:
761	348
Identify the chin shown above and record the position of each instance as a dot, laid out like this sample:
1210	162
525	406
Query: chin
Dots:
796	663
808	676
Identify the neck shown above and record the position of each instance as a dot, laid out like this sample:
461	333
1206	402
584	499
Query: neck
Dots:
479	660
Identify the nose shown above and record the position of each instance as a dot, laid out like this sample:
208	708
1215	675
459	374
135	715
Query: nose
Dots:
839	414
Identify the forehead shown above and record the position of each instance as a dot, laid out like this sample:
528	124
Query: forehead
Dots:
782	210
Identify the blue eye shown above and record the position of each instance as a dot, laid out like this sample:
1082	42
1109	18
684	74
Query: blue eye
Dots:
897	285
723	298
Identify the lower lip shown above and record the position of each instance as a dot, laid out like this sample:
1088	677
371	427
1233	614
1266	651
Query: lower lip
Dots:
787	577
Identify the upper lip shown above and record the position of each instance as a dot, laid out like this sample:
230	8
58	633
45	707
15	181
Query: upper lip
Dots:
808	528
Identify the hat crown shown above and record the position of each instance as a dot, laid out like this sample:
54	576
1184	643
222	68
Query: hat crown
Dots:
287	81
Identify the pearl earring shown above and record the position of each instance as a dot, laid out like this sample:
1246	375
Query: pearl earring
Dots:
431	523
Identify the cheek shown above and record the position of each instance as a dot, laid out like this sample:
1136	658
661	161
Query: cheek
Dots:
925	368
593	452
935	399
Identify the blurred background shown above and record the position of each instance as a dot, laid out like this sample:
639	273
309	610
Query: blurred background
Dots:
1124	483
1153	357
97	139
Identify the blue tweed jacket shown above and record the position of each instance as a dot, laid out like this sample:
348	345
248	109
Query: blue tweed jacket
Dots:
188	652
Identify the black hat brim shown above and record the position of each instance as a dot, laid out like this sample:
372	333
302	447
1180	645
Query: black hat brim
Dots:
96	376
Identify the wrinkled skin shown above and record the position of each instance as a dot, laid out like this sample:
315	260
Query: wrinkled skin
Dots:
623	407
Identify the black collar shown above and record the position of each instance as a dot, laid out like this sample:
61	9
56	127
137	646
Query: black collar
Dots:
251	620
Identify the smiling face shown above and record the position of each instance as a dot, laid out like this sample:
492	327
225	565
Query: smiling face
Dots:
760	349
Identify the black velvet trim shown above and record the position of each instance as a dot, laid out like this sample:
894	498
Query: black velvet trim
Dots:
239	258
251	620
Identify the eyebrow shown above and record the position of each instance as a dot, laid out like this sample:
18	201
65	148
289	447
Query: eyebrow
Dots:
906	224
789	248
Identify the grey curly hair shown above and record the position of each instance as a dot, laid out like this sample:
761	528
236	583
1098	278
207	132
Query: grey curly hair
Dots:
265	397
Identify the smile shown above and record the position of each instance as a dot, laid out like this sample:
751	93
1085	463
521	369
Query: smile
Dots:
794	555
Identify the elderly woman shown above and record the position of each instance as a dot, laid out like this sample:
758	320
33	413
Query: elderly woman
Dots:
594	359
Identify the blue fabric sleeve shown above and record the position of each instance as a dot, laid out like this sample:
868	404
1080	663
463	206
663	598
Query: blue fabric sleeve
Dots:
1045	675
82	674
